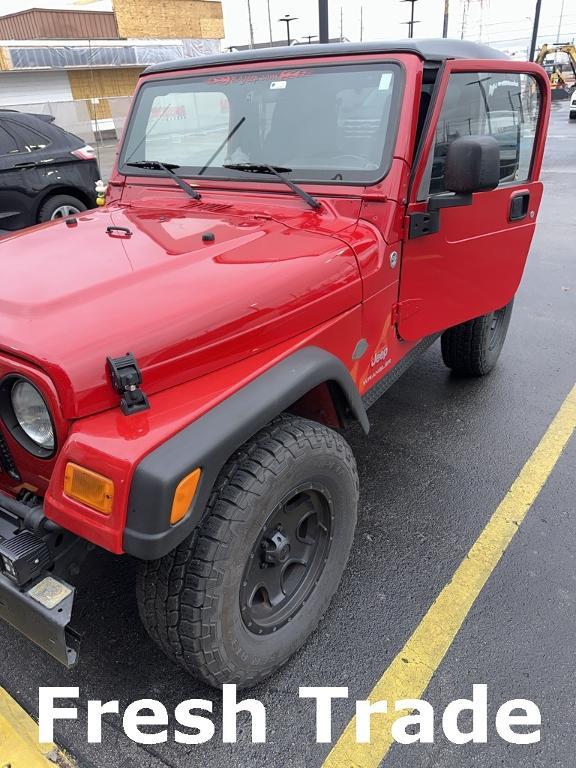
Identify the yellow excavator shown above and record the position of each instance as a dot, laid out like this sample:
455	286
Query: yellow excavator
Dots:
562	83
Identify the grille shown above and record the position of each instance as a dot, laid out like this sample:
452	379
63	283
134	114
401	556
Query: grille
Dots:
6	461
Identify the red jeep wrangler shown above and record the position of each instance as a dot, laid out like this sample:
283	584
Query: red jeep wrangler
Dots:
286	230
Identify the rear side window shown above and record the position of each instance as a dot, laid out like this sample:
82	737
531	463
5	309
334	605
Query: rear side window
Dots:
499	104
65	138
25	138
8	144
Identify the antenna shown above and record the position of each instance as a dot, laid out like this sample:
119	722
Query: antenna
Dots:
250	24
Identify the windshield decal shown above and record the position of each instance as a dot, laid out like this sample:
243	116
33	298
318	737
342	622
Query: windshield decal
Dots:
255	77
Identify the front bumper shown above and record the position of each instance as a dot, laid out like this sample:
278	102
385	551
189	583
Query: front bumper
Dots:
42	608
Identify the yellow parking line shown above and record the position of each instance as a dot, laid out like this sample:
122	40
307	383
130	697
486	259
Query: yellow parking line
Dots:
19	747
410	673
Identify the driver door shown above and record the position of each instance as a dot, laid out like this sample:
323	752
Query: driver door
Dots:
463	262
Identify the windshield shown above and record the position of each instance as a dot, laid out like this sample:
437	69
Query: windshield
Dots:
320	123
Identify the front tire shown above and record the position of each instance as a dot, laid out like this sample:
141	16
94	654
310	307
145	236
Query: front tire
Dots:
237	598
473	348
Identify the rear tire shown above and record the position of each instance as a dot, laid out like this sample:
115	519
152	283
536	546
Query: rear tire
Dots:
473	348
236	599
60	206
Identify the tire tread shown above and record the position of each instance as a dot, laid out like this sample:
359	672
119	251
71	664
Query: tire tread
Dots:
176	595
465	347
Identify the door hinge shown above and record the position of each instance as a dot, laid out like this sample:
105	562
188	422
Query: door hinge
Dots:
421	224
395	314
126	379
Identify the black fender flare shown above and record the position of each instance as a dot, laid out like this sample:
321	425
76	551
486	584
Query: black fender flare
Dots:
210	441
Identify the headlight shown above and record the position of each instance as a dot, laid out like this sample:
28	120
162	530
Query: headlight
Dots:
32	414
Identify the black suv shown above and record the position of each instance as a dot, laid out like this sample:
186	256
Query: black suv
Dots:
45	172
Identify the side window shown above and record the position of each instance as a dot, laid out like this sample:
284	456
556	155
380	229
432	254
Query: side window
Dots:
26	139
503	105
8	144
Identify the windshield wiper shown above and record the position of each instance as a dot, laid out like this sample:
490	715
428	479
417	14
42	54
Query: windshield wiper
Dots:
222	145
276	170
168	168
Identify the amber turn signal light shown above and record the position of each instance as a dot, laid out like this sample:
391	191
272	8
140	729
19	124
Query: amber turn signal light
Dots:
184	495
89	488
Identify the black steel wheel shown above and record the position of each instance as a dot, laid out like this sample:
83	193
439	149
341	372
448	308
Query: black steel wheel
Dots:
235	600
473	348
287	559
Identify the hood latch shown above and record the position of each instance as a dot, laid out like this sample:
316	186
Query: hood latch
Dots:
126	380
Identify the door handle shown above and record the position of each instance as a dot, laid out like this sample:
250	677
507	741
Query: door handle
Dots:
25	165
519	204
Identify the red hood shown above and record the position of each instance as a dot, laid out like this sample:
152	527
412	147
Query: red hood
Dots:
70	296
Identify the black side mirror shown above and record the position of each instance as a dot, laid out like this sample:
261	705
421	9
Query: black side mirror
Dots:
472	165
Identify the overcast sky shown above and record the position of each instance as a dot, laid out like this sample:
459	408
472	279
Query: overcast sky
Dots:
506	23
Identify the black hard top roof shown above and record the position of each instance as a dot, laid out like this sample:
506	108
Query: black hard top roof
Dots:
433	49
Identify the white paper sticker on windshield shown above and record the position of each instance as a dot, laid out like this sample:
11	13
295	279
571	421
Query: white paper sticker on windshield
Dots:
385	81
275	84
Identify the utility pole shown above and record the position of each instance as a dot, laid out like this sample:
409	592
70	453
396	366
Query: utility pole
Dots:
287	19
446	13
250	23
535	31
465	8
269	21
323	21
309	38
411	22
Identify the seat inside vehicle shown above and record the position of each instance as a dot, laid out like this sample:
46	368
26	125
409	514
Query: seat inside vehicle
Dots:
312	128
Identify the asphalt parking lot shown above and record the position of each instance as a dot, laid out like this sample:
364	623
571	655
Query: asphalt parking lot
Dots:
441	455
